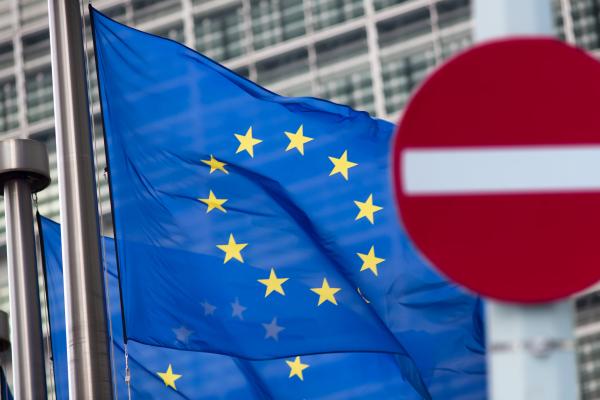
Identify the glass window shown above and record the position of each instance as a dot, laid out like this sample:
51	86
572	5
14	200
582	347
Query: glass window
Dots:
586	23
405	26
9	108
342	47
243	71
4	300
93	79
5	16
221	36
275	21
402	72
6	55
588	354
31	11
379	4
292	18
146	10
117	13
452	12
588	308
327	13
301	90
353	88
38	86
36	45
558	19
173	32
452	44
283	66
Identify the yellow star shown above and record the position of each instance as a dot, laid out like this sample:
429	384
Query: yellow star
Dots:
232	249
296	368
215	164
273	283
367	209
212	202
342	165
247	142
370	260
326	293
297	140
169	377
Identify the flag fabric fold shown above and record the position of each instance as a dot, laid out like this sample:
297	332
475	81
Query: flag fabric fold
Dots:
197	375
258	226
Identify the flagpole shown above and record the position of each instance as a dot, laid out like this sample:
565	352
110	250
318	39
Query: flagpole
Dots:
24	170
87	339
531	348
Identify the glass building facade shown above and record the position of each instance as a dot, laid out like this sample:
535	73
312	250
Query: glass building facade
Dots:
369	54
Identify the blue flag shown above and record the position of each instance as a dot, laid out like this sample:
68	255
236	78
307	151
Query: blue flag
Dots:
196	375
264	226
5	393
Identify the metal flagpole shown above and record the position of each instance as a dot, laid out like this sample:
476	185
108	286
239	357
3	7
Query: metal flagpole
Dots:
531	354
87	335
23	171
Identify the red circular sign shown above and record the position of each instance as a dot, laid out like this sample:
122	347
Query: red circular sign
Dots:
497	169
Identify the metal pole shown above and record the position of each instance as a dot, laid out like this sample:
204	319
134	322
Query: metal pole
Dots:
531	352
501	18
23	170
531	348
87	339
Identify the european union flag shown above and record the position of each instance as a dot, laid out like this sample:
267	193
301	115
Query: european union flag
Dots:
259	226
158	372
5	393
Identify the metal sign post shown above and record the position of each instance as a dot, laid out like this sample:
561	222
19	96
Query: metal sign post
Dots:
499	191
24	170
531	348
531	351
501	18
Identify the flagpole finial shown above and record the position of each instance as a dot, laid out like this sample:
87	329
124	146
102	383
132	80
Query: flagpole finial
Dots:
24	159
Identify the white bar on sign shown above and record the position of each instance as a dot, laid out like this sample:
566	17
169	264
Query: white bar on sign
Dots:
488	170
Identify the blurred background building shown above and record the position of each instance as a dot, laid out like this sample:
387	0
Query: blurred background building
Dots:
369	54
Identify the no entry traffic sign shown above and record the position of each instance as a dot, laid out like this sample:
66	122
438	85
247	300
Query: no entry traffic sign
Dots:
497	169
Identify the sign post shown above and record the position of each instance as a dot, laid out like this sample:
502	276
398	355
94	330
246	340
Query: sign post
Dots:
531	351
495	164
544	365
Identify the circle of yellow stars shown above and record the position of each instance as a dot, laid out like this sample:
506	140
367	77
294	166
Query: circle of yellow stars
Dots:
232	250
